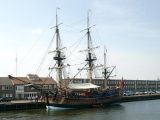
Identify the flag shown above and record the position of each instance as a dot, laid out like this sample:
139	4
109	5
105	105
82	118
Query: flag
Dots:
122	83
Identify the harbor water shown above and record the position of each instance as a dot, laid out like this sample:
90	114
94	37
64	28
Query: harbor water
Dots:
139	110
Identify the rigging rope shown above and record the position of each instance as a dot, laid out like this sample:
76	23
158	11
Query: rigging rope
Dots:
77	42
36	41
45	54
30	50
74	23
80	70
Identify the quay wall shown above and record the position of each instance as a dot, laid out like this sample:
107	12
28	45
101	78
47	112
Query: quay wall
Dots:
22	106
140	98
9	106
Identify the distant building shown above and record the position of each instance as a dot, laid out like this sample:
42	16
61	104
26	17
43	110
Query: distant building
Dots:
6	87
129	85
19	88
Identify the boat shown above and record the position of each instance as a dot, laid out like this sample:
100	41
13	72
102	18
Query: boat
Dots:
69	94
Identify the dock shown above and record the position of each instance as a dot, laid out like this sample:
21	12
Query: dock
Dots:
21	105
28	105
140	97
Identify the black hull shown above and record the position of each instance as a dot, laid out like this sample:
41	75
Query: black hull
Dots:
87	105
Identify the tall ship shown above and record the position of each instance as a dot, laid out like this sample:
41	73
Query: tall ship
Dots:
86	94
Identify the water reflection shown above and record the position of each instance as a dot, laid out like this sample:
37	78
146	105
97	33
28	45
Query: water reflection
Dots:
140	110
82	114
68	114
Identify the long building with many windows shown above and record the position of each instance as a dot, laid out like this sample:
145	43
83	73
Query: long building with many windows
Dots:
129	85
18	88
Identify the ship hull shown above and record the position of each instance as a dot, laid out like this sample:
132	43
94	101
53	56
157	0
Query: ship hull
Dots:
84	103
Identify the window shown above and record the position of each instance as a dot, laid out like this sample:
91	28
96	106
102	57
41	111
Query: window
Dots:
45	86
3	87
19	87
50	86
6	87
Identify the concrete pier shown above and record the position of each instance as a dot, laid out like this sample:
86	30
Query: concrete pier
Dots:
140	97
27	105
21	105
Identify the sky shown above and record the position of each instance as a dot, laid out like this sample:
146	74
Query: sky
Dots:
130	30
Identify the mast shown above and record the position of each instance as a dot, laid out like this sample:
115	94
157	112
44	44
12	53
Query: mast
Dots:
106	72
90	57
59	57
105	68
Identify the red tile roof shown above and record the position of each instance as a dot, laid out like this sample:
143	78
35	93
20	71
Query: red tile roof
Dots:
40	81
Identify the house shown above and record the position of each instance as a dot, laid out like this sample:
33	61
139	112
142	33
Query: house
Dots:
22	87
6	87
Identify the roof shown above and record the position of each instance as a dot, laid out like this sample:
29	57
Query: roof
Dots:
82	86
5	81
19	80
40	81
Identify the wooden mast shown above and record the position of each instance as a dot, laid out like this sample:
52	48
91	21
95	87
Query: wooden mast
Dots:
90	57
58	56
105	68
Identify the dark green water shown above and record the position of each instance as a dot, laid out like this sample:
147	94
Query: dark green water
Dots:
142	110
